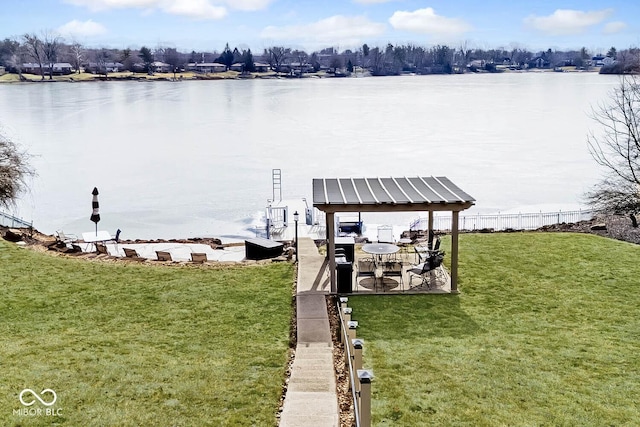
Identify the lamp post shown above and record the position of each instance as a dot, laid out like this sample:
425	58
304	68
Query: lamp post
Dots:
296	217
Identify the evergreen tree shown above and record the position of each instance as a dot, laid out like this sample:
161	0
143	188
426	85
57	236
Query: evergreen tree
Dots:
147	57
226	58
247	60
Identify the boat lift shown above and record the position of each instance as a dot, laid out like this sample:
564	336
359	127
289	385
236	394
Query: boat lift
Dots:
279	212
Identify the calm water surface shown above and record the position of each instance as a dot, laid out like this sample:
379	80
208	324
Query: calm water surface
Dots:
195	158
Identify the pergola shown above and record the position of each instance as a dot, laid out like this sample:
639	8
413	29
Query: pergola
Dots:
429	194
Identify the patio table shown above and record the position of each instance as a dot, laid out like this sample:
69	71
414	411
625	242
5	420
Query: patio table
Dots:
91	237
379	249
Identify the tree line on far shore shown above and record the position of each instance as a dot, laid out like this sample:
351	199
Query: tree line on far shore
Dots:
45	50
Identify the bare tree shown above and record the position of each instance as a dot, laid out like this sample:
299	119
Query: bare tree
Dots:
103	56
302	59
35	49
12	54
277	56
365	52
8	47
15	61
158	54
617	150
77	55
629	60
14	172
51	47
465	53
127	59
378	61
334	63
173	58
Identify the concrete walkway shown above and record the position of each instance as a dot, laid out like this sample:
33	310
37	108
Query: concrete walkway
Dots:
311	399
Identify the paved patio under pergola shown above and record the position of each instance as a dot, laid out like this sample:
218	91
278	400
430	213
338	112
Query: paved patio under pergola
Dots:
437	281
426	194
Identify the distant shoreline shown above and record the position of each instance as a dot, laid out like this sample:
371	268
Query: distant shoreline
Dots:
227	75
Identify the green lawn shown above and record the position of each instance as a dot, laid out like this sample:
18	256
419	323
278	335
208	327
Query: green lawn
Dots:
546	331
124	344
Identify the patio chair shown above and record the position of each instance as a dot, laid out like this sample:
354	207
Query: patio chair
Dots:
366	268
116	238
65	238
423	252
164	256
132	253
393	269
436	247
385	234
427	269
200	257
101	248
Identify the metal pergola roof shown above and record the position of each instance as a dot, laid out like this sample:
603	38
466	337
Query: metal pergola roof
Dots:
332	195
389	194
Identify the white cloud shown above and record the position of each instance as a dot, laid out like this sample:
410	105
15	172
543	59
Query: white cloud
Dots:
337	30
197	9
426	21
614	27
372	1
76	28
248	5
566	21
98	5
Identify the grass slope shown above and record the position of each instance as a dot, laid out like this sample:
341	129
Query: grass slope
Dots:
130	345
545	332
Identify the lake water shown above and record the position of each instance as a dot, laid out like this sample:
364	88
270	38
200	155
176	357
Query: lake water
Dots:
194	158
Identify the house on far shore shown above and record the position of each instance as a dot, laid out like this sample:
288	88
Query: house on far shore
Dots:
109	67
258	66
161	67
2	70
601	60
539	62
59	68
207	67
261	67
238	66
62	68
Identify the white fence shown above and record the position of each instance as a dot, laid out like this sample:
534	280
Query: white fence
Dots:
499	221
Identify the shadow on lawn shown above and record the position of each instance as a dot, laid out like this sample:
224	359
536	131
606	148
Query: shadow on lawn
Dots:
413	316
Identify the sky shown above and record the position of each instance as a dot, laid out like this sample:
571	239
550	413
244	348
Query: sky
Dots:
310	25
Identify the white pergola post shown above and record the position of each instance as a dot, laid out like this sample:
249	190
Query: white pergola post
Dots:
331	250
430	224
454	252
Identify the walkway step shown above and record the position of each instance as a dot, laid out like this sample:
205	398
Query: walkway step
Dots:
311	399
314	413
313	321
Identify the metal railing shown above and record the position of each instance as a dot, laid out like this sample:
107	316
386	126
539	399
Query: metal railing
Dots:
499	221
7	220
359	378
